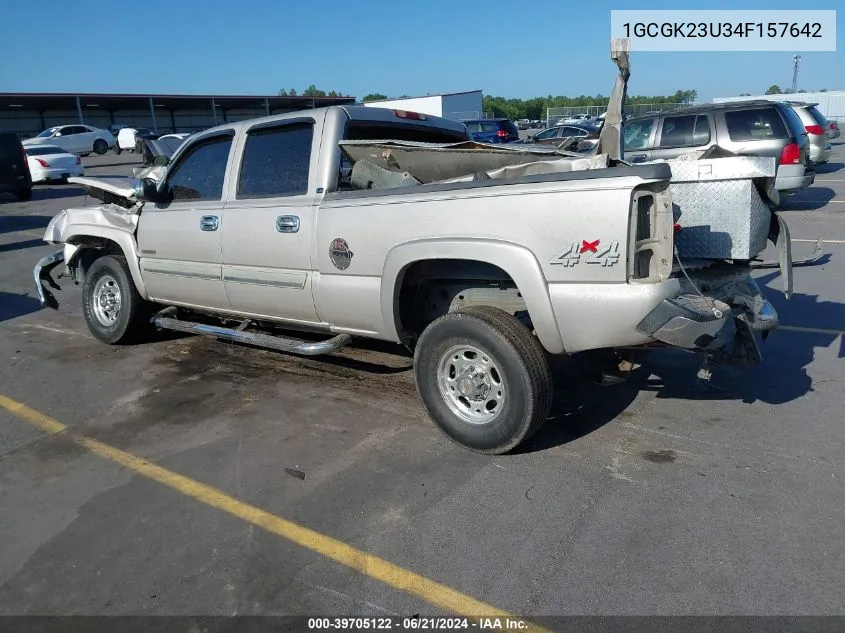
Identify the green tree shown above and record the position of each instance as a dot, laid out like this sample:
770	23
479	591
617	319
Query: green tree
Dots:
313	91
292	92
283	93
745	94
774	90
823	90
374	96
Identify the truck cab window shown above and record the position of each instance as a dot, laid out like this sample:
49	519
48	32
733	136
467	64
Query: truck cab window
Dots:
199	173
637	134
276	161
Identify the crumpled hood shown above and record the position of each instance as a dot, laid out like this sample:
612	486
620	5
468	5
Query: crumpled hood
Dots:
122	187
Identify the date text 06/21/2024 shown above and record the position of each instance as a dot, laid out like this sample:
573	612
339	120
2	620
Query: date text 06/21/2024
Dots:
418	623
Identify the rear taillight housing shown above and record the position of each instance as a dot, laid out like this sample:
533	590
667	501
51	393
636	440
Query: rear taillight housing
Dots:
502	133
814	129
42	162
833	125
791	154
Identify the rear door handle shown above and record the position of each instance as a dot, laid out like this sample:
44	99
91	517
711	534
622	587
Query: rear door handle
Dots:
209	223
287	224
637	158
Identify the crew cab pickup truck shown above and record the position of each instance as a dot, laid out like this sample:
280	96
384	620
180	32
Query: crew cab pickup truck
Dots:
259	223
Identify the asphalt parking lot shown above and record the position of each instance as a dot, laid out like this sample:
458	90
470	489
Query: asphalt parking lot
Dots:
178	476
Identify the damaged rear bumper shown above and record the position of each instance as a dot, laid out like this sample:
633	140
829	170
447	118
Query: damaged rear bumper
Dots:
720	321
41	274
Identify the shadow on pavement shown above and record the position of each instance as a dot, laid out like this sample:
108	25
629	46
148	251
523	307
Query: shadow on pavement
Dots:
13	223
14	246
54	193
811	198
829	168
13	305
581	408
781	378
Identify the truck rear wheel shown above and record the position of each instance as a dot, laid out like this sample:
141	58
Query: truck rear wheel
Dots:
113	309
483	378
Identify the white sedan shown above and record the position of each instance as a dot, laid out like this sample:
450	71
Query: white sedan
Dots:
48	162
76	139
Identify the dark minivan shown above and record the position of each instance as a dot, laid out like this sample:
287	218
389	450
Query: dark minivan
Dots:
14	168
492	130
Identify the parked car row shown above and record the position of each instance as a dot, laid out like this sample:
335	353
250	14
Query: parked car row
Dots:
76	139
83	140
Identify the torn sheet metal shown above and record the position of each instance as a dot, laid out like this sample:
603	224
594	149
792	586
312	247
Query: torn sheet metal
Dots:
610	138
433	162
536	168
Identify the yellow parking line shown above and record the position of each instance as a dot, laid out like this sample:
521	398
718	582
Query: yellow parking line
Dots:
377	568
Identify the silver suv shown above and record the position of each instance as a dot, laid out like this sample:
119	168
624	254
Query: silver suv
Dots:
752	128
817	128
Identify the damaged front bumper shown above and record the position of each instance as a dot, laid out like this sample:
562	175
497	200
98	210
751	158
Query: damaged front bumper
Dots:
41	274
718	313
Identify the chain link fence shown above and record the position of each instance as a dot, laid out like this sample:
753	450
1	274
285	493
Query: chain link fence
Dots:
553	115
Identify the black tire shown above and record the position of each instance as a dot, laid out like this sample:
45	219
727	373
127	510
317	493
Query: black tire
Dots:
131	319
100	147
24	194
117	149
521	366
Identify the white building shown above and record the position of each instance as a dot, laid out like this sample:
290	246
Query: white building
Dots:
831	103
453	105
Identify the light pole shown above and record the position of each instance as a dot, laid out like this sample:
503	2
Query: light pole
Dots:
796	59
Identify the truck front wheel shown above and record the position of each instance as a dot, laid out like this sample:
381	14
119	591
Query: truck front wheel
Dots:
113	309
483	378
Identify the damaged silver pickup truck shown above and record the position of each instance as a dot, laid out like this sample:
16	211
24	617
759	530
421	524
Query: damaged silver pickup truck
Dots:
484	260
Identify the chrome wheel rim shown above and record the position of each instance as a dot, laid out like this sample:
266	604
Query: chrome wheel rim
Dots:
471	384
106	300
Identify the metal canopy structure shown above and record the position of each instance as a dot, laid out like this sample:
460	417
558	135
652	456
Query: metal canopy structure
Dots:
31	112
43	102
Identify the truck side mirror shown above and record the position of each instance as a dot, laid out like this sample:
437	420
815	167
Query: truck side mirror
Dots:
149	190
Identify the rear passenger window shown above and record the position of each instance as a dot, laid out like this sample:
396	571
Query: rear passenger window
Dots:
489	126
473	128
199	173
685	131
755	125
276	161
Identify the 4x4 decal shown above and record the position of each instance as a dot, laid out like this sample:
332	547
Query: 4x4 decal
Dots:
587	252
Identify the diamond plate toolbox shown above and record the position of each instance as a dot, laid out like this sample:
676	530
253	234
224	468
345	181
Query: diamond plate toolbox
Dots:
722	205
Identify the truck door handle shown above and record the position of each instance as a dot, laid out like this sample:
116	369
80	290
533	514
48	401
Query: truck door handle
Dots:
287	224
638	158
209	223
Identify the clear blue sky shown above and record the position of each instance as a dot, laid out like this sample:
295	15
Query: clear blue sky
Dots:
363	46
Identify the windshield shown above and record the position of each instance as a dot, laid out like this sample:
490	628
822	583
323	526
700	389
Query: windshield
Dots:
47	133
